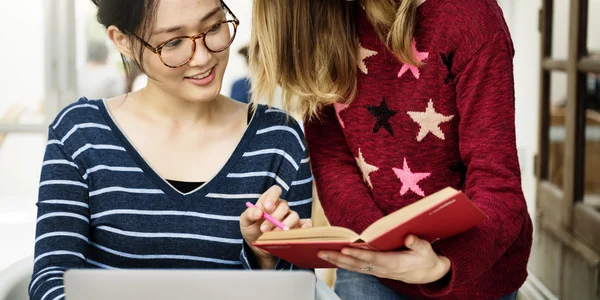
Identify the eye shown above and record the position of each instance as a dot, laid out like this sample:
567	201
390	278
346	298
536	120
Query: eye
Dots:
173	43
215	28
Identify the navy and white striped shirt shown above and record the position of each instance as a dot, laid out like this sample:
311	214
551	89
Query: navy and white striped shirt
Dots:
101	205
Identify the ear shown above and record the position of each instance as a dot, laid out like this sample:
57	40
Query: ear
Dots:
121	41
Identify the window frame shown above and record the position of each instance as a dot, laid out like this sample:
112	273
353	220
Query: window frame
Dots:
562	210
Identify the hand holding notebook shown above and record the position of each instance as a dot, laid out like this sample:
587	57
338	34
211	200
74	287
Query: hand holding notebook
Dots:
435	217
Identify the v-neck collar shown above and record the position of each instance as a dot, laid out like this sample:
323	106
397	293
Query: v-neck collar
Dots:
162	183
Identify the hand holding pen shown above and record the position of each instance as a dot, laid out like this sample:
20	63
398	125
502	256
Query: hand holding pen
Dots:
269	213
269	218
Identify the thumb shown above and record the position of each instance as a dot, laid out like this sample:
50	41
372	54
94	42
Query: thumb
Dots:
416	244
250	217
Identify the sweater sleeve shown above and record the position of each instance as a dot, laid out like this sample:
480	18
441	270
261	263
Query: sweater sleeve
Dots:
485	101
345	197
62	225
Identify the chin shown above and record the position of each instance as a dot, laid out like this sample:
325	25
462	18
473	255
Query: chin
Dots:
202	95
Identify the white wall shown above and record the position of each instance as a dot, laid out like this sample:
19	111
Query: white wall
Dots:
22	53
521	17
21	82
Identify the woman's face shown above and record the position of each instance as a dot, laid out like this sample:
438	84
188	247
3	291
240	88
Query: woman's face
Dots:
201	78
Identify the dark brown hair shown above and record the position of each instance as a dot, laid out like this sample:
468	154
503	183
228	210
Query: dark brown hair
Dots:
132	16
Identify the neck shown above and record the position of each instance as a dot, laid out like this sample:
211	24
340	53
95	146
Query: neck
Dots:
165	107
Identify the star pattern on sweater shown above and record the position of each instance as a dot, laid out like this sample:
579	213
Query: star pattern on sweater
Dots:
448	60
419	56
410	180
461	169
365	168
430	121
339	107
383	114
364	53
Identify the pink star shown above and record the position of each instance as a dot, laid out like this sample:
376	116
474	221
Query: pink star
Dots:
338	109
420	56
410	180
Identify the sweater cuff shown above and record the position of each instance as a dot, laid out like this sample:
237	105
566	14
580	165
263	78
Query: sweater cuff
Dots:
441	287
445	285
249	262
247	258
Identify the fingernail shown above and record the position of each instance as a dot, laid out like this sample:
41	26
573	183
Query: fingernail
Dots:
264	228
324	257
268	204
346	252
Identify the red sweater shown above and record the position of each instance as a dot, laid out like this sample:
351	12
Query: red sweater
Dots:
413	131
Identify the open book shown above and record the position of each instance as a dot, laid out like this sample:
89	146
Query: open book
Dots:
435	217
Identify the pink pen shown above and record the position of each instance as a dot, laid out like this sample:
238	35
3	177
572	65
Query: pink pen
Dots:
269	218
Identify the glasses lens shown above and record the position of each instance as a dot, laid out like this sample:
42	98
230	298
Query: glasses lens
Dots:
220	36
177	52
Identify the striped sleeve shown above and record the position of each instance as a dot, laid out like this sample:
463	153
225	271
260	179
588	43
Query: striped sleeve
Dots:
300	200
298	194
62	225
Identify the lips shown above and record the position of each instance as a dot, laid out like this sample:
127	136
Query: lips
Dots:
202	79
201	75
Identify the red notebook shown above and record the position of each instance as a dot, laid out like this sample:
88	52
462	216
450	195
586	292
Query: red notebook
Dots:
433	218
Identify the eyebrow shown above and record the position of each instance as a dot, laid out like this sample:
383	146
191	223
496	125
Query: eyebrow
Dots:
177	28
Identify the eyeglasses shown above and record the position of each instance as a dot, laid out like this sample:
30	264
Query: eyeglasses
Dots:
178	51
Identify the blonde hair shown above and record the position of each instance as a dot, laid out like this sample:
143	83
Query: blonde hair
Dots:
309	48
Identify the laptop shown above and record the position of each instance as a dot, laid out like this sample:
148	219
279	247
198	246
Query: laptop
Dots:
95	284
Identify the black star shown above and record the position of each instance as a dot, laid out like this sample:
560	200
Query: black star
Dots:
448	62
461	169
383	114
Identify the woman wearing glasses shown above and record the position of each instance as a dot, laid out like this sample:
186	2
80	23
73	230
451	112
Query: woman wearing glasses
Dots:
159	178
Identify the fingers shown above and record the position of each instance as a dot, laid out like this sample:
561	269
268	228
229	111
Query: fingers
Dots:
269	199
365	255
270	203
305	223
418	245
291	220
345	262
281	211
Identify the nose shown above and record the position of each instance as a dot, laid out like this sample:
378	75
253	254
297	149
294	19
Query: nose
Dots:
201	56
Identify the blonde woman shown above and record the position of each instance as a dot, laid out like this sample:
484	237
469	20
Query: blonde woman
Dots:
402	99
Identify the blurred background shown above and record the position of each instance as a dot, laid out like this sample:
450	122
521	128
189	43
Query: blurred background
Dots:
54	51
